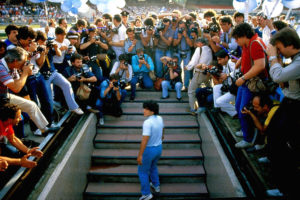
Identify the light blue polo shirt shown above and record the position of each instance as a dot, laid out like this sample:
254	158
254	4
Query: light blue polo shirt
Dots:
153	127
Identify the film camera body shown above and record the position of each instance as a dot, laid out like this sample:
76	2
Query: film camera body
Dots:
213	26
228	84
137	33
214	71
158	28
171	64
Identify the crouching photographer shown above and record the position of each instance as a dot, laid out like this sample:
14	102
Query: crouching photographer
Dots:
83	83
112	97
225	90
142	65
172	77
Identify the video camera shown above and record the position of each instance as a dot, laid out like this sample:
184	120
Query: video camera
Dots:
180	30
141	57
97	37
213	26
49	43
137	33
158	28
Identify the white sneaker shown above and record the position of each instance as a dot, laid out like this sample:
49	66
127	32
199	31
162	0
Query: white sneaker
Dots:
263	160
259	147
243	144
38	132
239	133
101	121
78	111
146	197
274	193
156	189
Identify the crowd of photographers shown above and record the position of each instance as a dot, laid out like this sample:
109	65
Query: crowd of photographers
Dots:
248	70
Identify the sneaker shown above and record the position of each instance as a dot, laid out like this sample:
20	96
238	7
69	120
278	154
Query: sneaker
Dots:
146	197
179	99
90	109
243	144
156	189
38	132
274	193
51	130
201	110
239	133
263	160
259	147
101	122
78	111
165	97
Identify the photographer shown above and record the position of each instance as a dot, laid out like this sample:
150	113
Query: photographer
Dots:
221	93
133	42
52	76
118	36
202	56
112	97
123	69
163	41
92	46
183	44
142	64
285	141
148	37
79	73
172	77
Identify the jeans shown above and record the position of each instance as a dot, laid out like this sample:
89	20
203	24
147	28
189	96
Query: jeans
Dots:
37	87
59	80
158	64
243	98
147	82
204	96
166	85
148	168
188	74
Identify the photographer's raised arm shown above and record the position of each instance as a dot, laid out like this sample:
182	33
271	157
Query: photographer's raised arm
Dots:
17	85
87	44
57	50
173	74
117	44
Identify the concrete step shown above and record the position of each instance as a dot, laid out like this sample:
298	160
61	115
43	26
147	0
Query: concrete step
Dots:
138	130
132	141
162	111
128	156
121	191
139	123
161	105
142	118
142	96
129	174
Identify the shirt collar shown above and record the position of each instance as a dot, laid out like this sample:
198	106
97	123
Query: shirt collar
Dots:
5	64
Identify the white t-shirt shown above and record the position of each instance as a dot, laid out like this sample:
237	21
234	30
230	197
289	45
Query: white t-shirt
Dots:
117	38
153	127
60	59
122	73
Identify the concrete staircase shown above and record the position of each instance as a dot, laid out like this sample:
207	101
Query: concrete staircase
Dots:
113	174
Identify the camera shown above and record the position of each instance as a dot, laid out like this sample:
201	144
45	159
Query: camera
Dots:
126	64
174	19
46	74
93	58
250	107
115	30
214	71
40	49
141	57
122	84
159	28
116	84
149	27
206	30
183	54
137	33
188	22
97	37
194	30
229	83
78	76
180	30
171	64
49	43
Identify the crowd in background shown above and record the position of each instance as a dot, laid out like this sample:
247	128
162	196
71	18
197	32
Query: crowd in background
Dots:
223	63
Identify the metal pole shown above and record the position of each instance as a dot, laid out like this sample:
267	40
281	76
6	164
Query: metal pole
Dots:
247	10
288	14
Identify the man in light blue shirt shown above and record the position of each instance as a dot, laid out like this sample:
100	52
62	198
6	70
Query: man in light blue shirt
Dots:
142	64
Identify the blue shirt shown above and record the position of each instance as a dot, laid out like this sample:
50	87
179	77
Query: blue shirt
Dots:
128	43
153	127
5	77
135	64
182	46
103	87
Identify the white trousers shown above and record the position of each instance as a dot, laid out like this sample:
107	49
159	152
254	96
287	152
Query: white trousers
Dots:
223	100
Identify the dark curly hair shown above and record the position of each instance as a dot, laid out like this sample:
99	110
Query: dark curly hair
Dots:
8	111
243	29
152	106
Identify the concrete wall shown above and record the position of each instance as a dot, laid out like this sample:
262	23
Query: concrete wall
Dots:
68	180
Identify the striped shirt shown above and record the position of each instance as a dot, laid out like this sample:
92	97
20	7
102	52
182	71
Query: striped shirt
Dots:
5	77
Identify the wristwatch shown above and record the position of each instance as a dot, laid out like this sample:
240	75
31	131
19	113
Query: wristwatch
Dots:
243	77
271	58
221	43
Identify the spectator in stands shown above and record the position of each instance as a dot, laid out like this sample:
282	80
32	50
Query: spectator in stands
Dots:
118	36
16	58
238	18
284	140
11	32
52	76
248	40
112	96
172	77
150	150
80	73
142	64
125	16
163	42
202	56
223	99
182	43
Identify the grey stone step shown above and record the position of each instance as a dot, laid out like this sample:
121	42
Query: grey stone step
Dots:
161	105
120	191
138	130
142	118
128	156
128	174
132	141
162	111
139	123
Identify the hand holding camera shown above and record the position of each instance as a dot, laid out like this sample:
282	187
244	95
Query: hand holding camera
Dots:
216	39
27	68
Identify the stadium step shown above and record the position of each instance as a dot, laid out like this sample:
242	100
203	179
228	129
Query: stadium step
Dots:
142	96
113	174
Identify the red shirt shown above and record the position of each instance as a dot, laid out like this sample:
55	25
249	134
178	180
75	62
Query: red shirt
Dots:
256	53
6	130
